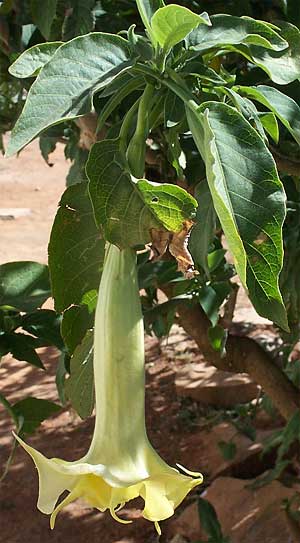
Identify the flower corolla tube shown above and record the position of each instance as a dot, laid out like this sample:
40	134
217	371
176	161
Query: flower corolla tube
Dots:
120	464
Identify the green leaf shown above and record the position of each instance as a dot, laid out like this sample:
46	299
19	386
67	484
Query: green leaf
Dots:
90	299
60	377
160	318
45	325
127	209
227	30
248	198
270	124
33	411
203	232
24	285
175	155
80	385
293	372
9	408
228	449
76	321
49	139
76	173
79	68
80	20
282	67
284	107
206	74
151	274
173	109
217	336
29	63
147	8
76	250
209	520
215	259
172	23
290	434
211	298
43	14
293	11
248	110
22	347
129	86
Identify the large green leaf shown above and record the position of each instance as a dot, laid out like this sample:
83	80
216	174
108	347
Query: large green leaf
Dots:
128	209
248	198
172	23
80	385
282	67
230	30
43	14
76	250
65	86
203	232
24	285
33	59
284	107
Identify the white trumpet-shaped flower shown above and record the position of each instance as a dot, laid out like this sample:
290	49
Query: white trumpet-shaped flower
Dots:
120	464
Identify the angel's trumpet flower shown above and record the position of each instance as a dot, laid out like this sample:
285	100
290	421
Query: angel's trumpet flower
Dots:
120	464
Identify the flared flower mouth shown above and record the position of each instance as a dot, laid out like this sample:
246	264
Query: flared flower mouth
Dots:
120	464
162	491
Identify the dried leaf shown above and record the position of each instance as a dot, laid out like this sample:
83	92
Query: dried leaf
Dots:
177	244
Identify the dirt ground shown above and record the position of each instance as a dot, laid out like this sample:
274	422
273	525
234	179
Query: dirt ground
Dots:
27	182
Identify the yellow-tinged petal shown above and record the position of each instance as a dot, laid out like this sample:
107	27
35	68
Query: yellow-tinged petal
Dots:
196	474
157	505
69	499
118	519
51	482
157	527
164	492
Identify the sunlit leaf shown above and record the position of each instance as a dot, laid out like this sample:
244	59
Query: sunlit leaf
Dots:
127	209
172	23
24	285
65	86
229	30
284	107
248	198
33	59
